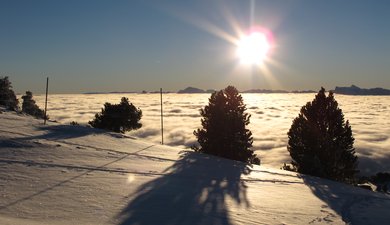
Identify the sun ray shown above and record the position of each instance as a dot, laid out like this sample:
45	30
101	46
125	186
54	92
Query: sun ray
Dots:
269	77
204	25
232	21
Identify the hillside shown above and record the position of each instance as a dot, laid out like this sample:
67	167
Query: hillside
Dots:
354	90
193	90
61	174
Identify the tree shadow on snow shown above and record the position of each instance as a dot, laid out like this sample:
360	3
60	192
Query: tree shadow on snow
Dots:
61	132
194	190
68	131
338	196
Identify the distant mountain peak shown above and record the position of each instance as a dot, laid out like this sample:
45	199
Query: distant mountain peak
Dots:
355	90
191	90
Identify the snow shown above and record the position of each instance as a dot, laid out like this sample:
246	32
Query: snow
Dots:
61	174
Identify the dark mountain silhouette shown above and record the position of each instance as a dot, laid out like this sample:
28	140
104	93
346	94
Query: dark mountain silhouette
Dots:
304	91
190	90
355	90
352	90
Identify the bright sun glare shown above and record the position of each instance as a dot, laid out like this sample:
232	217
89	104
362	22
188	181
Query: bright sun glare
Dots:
253	49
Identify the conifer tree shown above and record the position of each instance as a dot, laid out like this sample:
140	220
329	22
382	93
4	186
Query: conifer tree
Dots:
224	131
119	118
321	142
29	106
7	95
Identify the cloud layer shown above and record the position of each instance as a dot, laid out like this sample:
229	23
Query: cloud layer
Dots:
272	115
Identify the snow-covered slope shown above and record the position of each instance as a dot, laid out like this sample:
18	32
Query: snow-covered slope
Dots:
60	174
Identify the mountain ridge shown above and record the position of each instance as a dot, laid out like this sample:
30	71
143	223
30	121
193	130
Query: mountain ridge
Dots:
355	90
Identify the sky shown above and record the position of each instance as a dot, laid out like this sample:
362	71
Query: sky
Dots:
96	45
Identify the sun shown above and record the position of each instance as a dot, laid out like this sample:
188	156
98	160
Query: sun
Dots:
253	48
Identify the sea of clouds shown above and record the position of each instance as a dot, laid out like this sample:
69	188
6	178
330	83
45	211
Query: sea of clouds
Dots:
271	118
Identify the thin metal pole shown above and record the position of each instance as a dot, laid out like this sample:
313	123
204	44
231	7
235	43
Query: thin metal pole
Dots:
162	122
47	90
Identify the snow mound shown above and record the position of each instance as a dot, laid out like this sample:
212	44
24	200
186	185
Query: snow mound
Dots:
60	174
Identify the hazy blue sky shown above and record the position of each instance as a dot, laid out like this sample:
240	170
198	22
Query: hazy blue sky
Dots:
136	45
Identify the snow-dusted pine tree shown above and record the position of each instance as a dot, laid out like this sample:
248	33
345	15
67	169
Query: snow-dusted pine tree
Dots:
119	118
7	95
321	142
29	106
224	131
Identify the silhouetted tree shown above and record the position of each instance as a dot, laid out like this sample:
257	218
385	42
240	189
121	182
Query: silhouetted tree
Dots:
320	142
224	131
7	95
382	182
29	106
118	117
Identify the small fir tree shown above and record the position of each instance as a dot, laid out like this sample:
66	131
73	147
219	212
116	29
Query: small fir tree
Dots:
320	142
7	95
29	106
118	117
224	131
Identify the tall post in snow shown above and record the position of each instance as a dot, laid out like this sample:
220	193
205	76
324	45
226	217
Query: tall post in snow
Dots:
162	121
47	91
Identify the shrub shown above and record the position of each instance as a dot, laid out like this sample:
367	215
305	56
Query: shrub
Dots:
119	118
382	182
74	123
29	106
320	142
7	95
224	131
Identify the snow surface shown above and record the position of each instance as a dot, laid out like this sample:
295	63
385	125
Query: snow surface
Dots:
61	174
